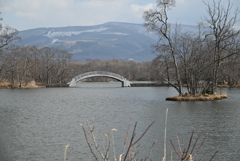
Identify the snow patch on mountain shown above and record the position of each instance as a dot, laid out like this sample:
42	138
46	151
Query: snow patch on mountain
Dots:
52	34
54	40
116	33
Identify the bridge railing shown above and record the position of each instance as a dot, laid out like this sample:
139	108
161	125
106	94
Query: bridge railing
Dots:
98	73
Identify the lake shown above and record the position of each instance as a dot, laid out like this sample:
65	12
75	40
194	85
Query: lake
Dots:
37	124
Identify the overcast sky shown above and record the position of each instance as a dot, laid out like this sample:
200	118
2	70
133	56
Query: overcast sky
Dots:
28	14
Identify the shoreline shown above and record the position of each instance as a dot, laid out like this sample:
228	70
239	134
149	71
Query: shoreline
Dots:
8	86
33	84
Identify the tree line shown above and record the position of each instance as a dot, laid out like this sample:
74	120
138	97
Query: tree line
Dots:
22	64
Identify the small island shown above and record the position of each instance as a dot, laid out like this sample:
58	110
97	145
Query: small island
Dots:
198	97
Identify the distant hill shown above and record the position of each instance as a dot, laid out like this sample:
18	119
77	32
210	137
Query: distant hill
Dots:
113	40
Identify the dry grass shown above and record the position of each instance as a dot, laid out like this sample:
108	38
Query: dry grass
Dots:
198	97
32	84
107	151
5	84
190	151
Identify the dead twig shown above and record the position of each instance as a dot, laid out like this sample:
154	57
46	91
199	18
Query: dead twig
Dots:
143	133
214	155
131	141
165	137
90	147
186	154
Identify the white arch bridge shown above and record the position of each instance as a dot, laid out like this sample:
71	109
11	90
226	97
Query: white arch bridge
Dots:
125	82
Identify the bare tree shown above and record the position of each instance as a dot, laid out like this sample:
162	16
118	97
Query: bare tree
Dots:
7	35
220	24
157	21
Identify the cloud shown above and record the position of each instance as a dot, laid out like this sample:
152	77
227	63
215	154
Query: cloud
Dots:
73	12
29	15
26	14
138	8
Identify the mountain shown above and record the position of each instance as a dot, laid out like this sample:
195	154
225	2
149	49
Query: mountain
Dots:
113	40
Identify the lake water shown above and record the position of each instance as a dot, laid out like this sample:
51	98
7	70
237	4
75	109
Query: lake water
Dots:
37	124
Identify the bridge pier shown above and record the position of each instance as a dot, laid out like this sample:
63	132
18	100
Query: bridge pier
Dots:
73	83
126	83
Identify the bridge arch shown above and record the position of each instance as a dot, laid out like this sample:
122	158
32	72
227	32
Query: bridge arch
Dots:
125	82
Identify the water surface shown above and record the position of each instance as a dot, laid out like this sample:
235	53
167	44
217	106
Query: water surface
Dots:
36	124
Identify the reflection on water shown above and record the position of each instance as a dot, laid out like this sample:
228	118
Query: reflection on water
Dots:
36	124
